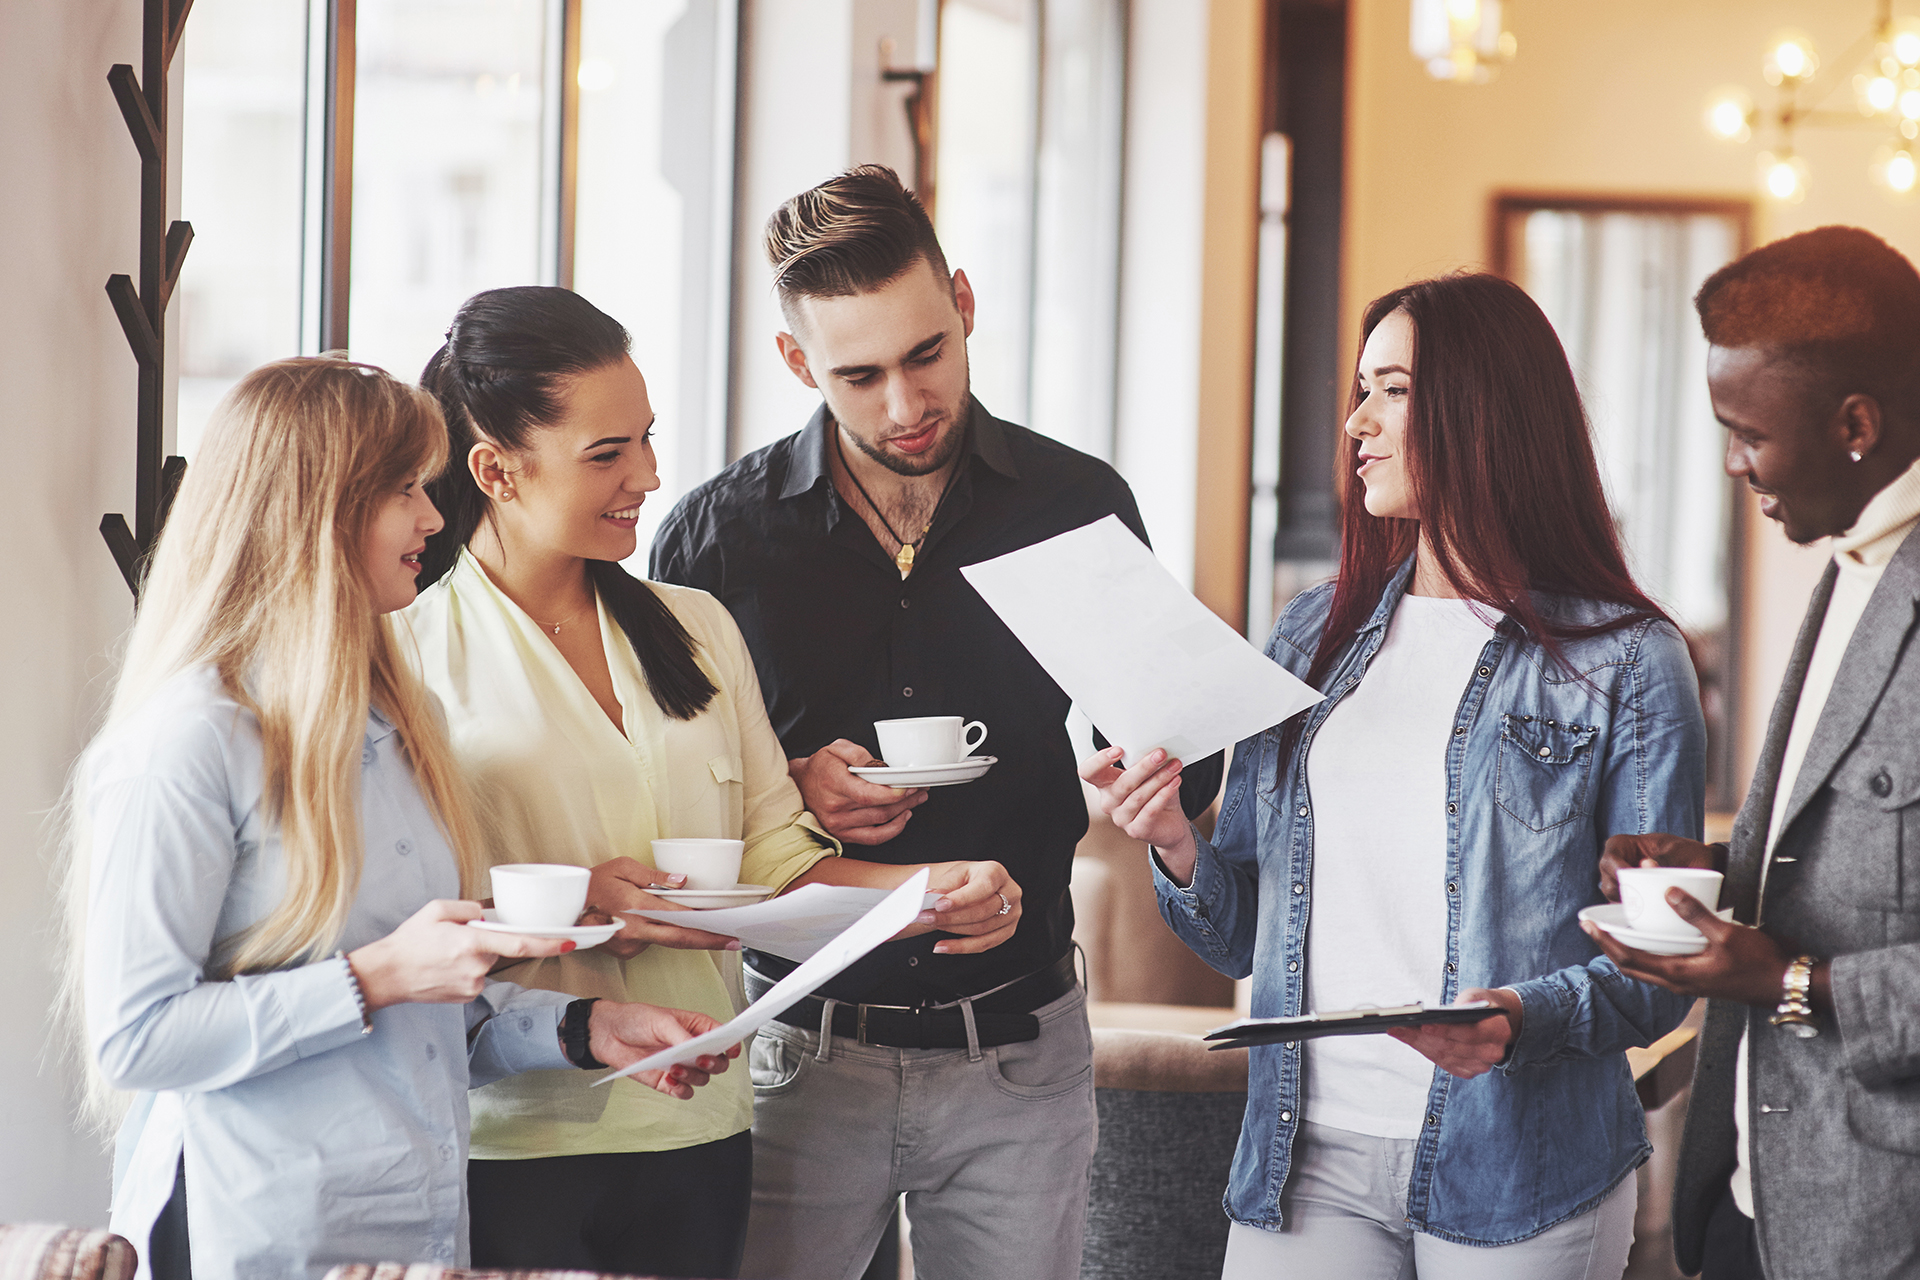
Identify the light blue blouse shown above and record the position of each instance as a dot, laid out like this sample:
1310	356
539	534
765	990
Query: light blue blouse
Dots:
306	1142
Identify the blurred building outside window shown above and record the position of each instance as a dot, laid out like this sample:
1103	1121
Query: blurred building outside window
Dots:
1618	285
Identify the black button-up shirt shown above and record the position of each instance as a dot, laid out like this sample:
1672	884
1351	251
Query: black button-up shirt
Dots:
840	641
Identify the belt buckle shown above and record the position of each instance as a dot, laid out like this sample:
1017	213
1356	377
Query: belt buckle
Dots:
860	1025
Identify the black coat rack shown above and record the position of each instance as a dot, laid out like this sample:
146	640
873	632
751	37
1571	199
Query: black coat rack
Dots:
143	312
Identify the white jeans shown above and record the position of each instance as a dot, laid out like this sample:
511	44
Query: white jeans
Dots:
992	1153
1345	1207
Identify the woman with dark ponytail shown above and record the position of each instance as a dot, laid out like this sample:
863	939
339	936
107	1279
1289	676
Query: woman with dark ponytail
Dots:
593	713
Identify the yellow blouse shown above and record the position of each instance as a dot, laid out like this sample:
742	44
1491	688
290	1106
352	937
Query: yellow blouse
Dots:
558	783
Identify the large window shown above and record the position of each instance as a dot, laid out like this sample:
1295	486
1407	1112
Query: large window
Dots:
355	169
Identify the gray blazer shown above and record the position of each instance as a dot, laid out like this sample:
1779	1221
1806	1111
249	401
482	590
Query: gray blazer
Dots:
1835	1120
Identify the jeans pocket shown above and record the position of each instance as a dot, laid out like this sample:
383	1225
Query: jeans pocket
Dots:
775	1063
1540	775
1057	1063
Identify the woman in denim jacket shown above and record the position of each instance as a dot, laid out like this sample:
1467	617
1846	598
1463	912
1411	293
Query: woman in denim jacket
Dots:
1500	699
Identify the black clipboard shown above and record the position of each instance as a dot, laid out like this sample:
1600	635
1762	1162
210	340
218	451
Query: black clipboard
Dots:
1346	1022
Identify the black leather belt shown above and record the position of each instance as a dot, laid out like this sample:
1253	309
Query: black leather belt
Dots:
1001	1015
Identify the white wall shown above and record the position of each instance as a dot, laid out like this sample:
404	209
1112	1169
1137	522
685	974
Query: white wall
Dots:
811	105
69	196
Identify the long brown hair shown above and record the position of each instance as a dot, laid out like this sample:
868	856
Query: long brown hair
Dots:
1500	466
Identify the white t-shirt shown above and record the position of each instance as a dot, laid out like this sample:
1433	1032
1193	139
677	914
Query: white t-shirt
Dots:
1377	928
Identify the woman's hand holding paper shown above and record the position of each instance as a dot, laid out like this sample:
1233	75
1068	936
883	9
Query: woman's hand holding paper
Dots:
1144	802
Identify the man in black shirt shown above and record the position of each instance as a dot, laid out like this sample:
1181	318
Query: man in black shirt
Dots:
961	1080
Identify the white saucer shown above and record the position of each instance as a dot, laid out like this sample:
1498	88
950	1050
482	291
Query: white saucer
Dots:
586	935
928	775
741	895
1612	917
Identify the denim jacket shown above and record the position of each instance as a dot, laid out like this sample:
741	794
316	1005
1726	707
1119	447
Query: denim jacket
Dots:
1544	766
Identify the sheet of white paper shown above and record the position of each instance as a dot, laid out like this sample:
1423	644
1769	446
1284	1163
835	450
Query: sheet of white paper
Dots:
794	925
1150	665
893	913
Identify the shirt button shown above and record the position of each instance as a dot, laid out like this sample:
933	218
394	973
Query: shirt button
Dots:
366	754
1299	888
904	602
403	847
1293	966
446	1151
1459	729
1486	671
1286	1117
912	961
1452	807
1302	811
1546	751
526	1024
907	692
1881	784
1433	1122
1452	967
1453	886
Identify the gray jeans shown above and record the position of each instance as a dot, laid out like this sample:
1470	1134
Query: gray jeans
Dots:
991	1152
1345	1206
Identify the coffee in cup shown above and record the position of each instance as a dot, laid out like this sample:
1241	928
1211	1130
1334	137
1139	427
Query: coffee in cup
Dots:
539	895
707	864
927	740
1643	895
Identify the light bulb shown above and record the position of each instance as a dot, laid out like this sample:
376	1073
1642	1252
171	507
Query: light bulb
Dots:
1880	94
1906	41
1791	59
1784	177
1728	113
1901	172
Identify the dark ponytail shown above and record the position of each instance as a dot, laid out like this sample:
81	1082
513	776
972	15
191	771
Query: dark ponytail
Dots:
500	377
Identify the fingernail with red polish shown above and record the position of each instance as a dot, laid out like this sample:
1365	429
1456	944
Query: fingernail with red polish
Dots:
567	946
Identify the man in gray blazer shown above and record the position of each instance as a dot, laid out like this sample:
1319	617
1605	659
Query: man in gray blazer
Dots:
1802	1150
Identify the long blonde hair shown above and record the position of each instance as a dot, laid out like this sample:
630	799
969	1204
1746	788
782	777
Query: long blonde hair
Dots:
258	574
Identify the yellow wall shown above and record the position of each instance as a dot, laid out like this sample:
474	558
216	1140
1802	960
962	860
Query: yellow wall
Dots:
1602	98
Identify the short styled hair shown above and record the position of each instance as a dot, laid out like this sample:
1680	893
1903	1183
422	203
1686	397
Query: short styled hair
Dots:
851	234
1839	301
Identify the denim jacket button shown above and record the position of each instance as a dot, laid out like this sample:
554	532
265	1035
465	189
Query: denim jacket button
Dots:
1293	966
1452	967
1486	671
1286	1117
1546	751
1298	887
1459	730
1433	1122
1452	807
1301	811
1453	886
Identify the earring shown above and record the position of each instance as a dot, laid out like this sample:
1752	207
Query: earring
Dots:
1855	455
506	495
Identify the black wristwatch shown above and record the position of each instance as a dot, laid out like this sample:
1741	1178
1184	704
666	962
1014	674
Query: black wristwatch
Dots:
575	1036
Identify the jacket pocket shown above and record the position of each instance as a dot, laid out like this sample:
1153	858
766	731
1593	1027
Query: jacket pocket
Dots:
1871	842
1540	775
1887	1117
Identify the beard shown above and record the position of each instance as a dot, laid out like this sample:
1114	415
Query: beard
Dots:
933	459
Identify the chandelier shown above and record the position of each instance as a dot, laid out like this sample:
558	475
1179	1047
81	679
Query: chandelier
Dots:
1882	72
1461	40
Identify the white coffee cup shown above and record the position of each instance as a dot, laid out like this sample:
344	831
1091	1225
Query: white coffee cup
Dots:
1643	893
927	740
707	864
539	895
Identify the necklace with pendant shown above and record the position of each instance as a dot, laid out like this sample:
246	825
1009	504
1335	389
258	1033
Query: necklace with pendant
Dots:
903	558
555	626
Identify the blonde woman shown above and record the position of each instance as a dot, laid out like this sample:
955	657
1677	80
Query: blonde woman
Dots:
595	712
269	863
